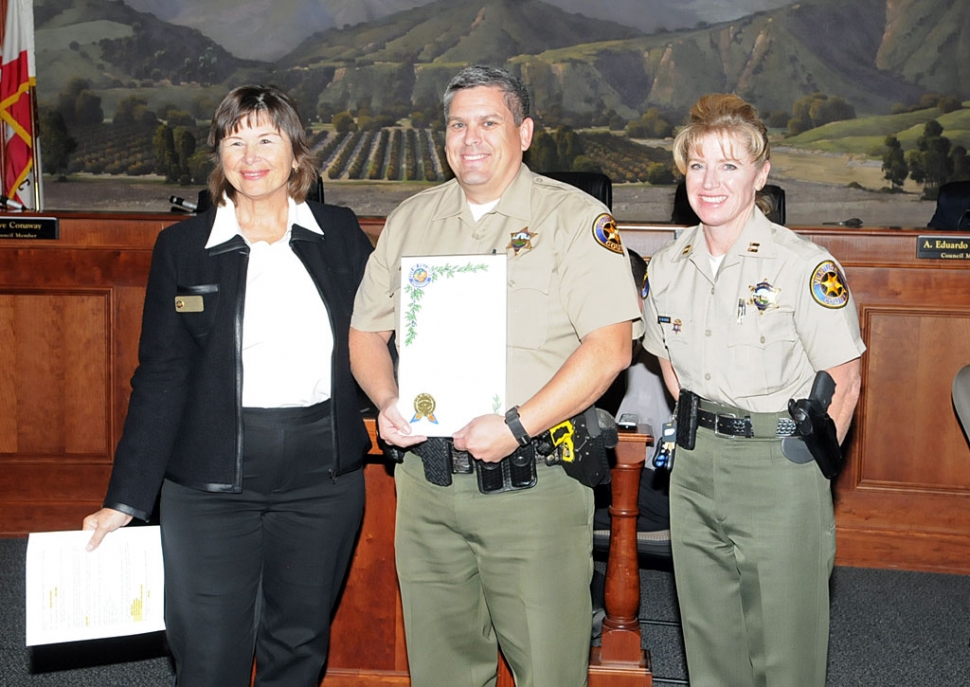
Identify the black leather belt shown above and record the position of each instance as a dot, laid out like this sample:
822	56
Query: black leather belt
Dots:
733	426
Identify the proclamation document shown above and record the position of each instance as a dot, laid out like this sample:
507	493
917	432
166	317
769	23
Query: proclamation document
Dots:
74	594
451	366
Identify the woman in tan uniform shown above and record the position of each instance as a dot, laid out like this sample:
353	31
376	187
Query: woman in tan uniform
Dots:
742	314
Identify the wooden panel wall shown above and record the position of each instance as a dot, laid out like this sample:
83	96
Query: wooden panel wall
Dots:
69	319
904	500
70	315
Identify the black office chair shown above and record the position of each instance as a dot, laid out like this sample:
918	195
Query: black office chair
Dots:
684	214
952	207
961	398
315	193
596	184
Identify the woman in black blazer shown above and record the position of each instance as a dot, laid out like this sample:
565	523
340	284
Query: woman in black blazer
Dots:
243	411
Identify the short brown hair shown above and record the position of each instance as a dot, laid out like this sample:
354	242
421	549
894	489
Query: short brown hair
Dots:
513	90
242	106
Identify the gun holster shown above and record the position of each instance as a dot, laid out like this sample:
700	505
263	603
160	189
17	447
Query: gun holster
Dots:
815	436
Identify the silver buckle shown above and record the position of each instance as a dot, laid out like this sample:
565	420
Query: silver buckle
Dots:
717	423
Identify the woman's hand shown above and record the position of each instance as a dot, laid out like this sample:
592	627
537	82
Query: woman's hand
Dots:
104	521
394	428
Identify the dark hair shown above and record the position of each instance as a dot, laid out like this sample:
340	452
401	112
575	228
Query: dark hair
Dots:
243	106
638	266
513	90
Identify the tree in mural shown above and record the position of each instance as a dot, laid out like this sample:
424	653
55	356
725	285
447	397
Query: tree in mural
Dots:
817	109
930	163
894	167
55	140
78	104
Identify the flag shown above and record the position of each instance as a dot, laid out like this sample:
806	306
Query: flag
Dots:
17	81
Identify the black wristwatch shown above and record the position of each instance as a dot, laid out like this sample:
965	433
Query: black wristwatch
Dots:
515	425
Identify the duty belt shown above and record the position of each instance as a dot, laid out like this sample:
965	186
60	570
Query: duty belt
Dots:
732	424
579	444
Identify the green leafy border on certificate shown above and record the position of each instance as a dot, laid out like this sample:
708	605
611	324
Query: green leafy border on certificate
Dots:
414	294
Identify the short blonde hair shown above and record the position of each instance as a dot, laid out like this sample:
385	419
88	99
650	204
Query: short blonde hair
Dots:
732	120
728	116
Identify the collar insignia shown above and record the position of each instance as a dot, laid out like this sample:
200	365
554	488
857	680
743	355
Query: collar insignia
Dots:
753	247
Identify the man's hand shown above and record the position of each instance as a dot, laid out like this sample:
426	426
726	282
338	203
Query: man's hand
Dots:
487	438
394	429
104	521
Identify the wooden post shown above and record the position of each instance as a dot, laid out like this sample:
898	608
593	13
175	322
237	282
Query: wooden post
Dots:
621	661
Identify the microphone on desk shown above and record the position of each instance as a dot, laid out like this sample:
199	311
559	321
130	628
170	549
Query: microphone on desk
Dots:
183	203
10	203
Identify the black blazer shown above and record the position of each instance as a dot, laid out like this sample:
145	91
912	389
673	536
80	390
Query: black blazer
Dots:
184	417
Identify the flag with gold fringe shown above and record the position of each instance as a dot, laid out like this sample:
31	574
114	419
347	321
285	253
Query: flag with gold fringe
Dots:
21	164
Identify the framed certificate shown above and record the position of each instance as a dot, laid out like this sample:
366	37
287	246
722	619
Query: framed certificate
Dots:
452	340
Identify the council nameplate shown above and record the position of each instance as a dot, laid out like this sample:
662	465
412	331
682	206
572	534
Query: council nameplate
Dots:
29	228
943	247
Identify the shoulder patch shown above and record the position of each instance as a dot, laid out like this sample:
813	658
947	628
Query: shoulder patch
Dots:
606	233
829	288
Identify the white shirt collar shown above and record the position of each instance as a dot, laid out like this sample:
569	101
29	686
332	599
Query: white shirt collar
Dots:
226	226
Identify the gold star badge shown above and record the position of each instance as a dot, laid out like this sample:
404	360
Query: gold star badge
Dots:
521	239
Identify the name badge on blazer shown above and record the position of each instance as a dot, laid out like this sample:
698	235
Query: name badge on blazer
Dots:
189	304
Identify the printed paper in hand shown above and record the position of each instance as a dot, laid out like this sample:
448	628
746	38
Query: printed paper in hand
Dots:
451	367
74	594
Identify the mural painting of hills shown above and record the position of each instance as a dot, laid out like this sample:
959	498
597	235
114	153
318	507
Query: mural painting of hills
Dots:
394	57
874	53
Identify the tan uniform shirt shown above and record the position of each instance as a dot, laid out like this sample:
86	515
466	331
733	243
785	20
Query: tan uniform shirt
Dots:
563	282
754	336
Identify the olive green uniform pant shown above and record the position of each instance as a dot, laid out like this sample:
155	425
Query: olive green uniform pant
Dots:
479	572
753	538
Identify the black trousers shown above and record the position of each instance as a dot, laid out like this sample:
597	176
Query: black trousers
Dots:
257	573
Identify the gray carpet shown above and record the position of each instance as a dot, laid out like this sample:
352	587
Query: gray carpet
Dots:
889	629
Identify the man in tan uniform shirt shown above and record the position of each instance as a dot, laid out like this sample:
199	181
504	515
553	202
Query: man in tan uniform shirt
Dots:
511	569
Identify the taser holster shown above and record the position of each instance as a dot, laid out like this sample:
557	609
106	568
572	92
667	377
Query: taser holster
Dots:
580	445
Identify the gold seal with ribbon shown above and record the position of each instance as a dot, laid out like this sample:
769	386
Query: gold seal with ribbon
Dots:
424	408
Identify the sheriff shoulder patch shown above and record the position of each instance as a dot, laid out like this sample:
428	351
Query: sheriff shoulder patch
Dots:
828	286
606	233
